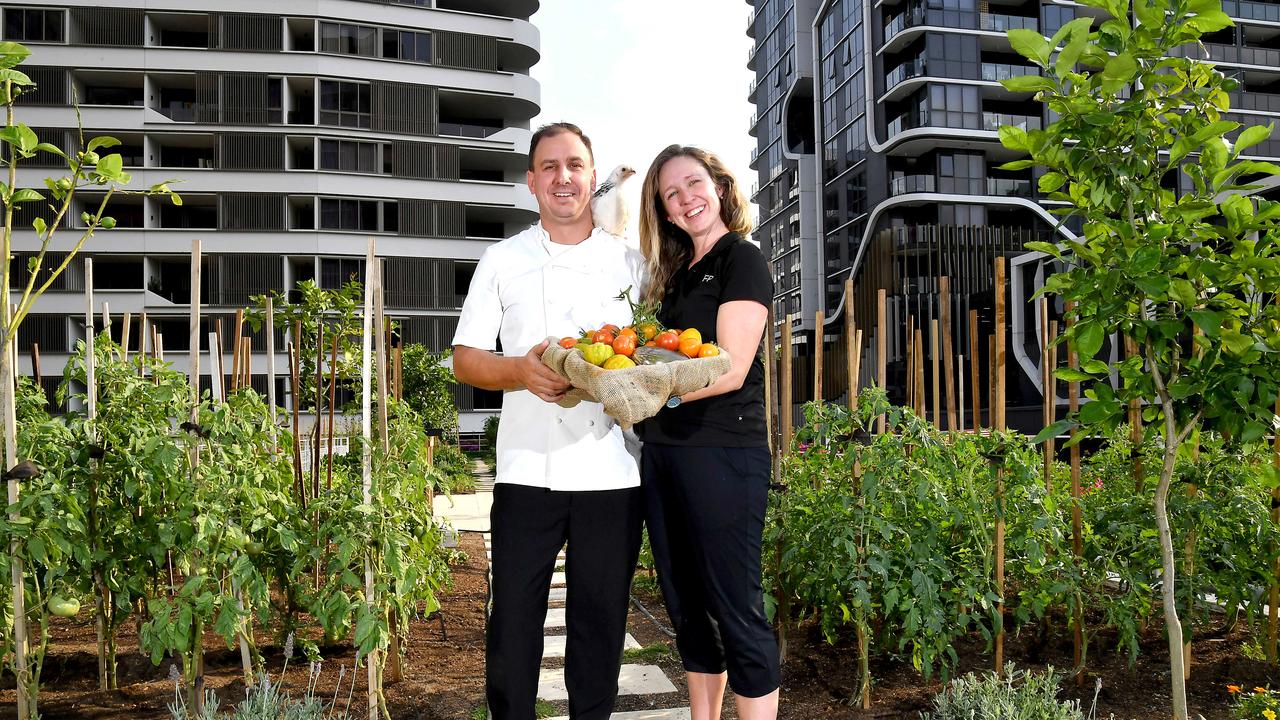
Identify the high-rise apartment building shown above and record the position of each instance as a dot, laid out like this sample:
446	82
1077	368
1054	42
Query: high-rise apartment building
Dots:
878	157
297	128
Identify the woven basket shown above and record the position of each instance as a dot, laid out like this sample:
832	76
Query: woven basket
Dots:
631	394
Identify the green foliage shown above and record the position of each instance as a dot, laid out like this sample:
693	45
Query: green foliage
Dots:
336	311
453	469
1254	703
428	386
491	440
1015	695
906	547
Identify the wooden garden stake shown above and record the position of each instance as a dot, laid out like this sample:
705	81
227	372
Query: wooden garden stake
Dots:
948	366
315	444
124	336
219	362
295	397
106	320
246	365
817	355
366	469
399	371
974	374
1077	521
91	413
851	353
882	347
784	412
920	398
394	671
197	629
333	390
910	379
937	381
271	370
35	363
998	410
1273	604
142	341
784	422
235	350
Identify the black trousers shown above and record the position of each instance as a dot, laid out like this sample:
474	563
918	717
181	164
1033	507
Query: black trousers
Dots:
705	513
529	527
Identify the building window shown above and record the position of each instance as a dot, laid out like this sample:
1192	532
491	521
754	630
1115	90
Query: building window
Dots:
350	156
25	25
359	215
348	104
406	45
348	39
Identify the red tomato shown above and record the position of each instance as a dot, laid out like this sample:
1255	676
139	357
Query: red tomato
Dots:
603	336
568	343
625	345
668	340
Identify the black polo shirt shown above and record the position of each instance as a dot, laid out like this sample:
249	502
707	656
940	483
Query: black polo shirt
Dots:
734	269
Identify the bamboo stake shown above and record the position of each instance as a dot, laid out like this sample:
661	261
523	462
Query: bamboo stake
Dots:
142	340
1046	386
975	376
106	319
998	363
1273	604
882	348
271	370
235	350
851	357
818	343
366	429
1077	521
124	336
399	371
315	445
937	380
246	364
948	366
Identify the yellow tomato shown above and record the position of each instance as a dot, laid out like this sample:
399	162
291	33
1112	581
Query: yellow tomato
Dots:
618	362
691	333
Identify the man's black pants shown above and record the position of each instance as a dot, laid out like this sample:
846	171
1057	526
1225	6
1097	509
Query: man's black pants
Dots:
529	527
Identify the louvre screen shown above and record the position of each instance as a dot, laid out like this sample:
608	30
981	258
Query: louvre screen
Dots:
51	86
120	27
253	211
251	151
461	50
251	31
405	108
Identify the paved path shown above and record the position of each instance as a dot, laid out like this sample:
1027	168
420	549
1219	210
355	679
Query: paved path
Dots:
471	512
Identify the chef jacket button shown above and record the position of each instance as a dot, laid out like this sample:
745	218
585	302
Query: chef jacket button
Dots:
559	420
591	423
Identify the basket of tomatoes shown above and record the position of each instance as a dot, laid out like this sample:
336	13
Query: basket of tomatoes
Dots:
633	370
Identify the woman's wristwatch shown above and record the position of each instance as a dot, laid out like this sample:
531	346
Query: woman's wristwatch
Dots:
674	401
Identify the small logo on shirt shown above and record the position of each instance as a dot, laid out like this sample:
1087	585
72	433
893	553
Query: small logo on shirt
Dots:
708	278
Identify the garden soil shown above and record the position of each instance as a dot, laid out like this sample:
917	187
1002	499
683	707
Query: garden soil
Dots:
444	679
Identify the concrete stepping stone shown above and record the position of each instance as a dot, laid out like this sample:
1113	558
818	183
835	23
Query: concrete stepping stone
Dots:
553	645
673	714
632	680
557	579
555	618
558	595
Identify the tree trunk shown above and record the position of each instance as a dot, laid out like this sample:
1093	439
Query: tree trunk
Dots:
1173	625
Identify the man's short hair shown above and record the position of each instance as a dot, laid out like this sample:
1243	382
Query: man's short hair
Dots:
553	129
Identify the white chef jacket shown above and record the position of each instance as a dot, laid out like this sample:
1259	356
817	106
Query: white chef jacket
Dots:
524	293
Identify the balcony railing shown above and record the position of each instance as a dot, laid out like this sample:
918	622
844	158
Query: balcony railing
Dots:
1264	57
994	121
995	72
466	130
904	184
917	15
1261	102
904	72
907	121
1009	187
1246	10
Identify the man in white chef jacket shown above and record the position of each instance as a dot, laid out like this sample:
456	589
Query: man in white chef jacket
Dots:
563	473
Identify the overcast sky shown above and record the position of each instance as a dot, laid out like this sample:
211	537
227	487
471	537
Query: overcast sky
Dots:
638	75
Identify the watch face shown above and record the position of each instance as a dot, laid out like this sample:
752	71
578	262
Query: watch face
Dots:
673	401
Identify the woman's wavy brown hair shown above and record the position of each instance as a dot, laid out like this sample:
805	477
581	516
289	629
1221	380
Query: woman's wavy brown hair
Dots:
667	247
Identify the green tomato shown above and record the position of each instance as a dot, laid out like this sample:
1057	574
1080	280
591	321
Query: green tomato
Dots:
64	607
254	548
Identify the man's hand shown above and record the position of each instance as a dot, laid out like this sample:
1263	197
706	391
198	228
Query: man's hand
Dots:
540	379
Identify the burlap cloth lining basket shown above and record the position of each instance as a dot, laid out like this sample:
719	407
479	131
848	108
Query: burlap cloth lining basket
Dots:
632	394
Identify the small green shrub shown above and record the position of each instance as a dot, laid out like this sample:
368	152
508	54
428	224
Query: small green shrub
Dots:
1016	696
